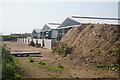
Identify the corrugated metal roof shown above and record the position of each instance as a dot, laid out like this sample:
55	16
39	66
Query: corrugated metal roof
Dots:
49	26
37	30
77	20
69	22
95	20
53	25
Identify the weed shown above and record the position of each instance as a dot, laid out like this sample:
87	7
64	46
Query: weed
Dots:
91	50
63	49
97	52
60	65
31	59
113	67
55	76
49	68
53	49
42	63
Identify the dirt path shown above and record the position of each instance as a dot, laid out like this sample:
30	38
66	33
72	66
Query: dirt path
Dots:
33	70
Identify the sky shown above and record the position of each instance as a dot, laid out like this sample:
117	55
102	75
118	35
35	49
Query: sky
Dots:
23	17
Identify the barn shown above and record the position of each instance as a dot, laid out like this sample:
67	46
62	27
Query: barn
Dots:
49	31
79	21
36	33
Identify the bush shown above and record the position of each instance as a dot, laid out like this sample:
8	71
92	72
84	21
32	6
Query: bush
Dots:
60	65
42	63
64	49
53	49
31	59
9	69
117	53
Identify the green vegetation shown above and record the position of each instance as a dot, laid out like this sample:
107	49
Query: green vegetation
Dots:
31	59
115	53
55	76
60	65
16	35
83	27
62	49
53	49
9	69
113	67
42	62
97	52
91	50
49	68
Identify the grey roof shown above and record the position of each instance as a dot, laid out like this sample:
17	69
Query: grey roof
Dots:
37	30
77	20
50	26
69	22
95	20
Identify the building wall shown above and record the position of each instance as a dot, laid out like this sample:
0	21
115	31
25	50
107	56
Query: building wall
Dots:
48	43
45	43
54	34
40	42
35	41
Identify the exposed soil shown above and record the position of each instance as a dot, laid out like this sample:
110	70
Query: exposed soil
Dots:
91	44
33	70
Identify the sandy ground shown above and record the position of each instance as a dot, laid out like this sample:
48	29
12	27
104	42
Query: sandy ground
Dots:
32	70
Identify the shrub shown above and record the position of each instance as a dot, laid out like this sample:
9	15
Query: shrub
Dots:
42	63
117	53
64	49
31	59
9	69
60	65
97	52
53	49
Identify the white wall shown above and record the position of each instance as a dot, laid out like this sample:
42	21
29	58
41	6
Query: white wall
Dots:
47	43
54	33
35	41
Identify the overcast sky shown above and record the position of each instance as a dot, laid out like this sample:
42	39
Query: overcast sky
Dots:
23	17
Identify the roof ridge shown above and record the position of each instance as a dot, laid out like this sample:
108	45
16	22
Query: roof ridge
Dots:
95	18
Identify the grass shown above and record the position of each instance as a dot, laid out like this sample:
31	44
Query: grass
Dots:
55	76
44	65
49	68
31	59
42	62
60	65
113	67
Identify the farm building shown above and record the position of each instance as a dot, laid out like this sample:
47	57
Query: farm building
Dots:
79	21
49	31
36	33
